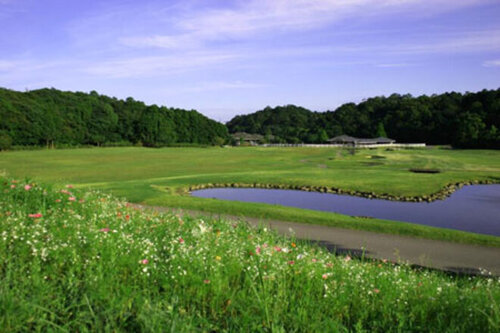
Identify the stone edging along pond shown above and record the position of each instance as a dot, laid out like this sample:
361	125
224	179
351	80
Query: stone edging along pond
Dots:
445	192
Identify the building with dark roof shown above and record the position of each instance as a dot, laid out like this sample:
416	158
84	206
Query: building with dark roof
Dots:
247	138
352	141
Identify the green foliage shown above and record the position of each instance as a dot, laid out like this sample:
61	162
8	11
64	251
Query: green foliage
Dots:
53	118
381	131
78	261
465	120
5	140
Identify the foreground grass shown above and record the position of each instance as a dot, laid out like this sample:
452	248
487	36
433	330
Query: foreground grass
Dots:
83	261
161	177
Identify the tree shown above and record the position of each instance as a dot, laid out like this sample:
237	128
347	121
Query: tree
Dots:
5	140
469	129
322	136
381	131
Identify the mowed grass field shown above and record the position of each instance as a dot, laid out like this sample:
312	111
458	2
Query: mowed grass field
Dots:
162	177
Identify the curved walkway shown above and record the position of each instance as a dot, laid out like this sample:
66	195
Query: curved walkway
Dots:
442	255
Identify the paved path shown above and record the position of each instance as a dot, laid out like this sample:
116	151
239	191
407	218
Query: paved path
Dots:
454	257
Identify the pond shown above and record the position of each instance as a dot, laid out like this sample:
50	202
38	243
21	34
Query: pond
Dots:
474	208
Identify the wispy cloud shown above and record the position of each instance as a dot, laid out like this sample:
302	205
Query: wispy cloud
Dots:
492	63
394	65
457	42
476	41
7	65
219	85
258	17
157	65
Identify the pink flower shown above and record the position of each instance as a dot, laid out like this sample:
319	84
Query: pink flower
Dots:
104	230
35	216
291	262
277	249
27	187
65	192
376	291
324	276
69	186
347	258
206	281
72	199
181	240
144	261
58	200
314	260
257	250
12	186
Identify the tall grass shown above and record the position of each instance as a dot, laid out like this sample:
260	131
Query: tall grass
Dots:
84	261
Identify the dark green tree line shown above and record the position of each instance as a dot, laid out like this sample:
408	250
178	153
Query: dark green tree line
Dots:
50	117
469	120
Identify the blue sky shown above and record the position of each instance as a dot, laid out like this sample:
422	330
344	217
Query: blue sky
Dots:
231	57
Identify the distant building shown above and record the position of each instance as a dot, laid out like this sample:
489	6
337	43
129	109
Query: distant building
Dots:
247	138
352	141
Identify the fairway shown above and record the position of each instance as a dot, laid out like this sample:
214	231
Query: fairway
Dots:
163	176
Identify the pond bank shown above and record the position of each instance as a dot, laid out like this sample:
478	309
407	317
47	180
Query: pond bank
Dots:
474	208
445	192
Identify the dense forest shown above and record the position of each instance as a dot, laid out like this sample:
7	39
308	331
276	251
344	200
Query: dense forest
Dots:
50	117
470	120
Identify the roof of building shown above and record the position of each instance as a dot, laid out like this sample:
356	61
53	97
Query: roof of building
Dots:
247	136
351	139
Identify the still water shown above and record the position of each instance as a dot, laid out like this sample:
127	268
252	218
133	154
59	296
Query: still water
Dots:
474	208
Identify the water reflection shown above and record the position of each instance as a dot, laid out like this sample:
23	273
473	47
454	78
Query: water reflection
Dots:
474	208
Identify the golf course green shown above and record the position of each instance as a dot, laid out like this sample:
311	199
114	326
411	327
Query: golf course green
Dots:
163	177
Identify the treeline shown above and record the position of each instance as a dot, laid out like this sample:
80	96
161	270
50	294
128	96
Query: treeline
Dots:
470	120
50	117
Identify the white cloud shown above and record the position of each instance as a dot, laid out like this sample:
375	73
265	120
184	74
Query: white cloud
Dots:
6	65
259	17
458	42
219	85
393	65
157	65
478	41
492	63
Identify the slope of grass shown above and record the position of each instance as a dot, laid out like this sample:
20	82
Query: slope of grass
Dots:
161	177
73	260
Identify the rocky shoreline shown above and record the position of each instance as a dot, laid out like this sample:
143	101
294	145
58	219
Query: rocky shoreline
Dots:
440	195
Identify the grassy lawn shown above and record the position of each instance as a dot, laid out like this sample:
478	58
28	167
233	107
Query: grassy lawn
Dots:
162	176
73	260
